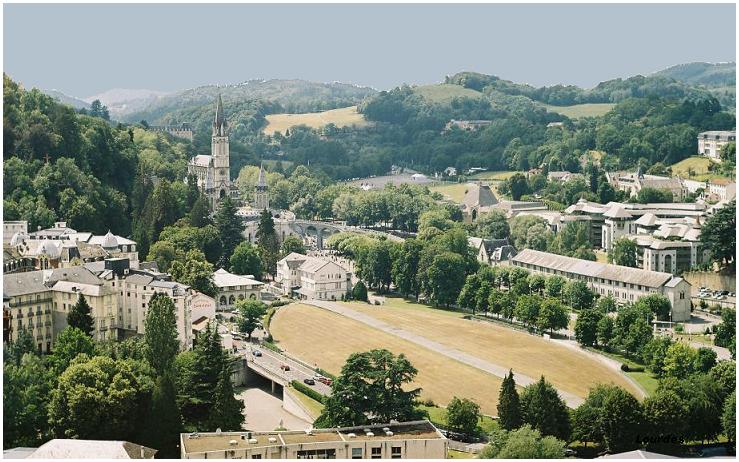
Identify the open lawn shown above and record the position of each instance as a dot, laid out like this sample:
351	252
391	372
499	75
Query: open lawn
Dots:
444	92
530	355
494	176
581	110
342	117
695	168
314	407
327	339
453	191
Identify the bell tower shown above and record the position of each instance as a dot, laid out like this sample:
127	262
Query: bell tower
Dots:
219	148
261	197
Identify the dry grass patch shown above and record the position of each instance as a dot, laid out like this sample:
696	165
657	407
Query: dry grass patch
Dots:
327	339
342	117
581	110
453	191
533	356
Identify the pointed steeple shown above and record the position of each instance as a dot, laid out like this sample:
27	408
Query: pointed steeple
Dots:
219	121
262	181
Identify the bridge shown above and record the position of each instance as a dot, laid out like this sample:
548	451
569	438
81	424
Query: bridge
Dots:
269	366
323	229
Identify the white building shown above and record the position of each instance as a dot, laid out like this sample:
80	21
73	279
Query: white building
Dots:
624	284
312	277
232	288
82	449
720	189
710	143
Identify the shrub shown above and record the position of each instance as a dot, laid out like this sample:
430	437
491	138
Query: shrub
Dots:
625	367
679	328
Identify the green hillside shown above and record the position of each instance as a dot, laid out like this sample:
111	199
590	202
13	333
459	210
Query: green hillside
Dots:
444	93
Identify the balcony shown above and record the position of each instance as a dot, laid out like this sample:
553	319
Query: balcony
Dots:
30	302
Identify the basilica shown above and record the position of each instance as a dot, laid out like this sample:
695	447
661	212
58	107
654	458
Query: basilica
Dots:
213	171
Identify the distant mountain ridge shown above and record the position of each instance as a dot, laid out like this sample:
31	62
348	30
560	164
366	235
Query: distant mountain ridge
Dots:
700	73
76	103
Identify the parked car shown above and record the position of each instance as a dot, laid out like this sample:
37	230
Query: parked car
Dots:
309	381
326	381
256	353
285	367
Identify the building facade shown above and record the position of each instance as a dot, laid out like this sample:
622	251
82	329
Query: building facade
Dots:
312	278
710	143
624	284
232	287
213	172
405	440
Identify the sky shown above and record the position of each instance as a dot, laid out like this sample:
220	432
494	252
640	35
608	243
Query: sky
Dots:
85	49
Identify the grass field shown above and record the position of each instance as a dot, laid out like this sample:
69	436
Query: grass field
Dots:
527	354
327	339
695	168
493	176
444	92
454	191
347	116
437	415
581	110
314	407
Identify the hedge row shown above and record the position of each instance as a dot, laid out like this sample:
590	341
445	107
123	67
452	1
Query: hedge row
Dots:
308	391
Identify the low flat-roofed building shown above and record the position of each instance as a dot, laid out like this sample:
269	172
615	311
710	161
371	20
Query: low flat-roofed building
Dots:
232	287
624	284
405	440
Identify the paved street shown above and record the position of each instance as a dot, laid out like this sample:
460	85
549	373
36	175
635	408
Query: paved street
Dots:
452	353
264	411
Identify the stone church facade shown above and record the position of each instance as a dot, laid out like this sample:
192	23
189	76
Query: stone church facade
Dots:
213	171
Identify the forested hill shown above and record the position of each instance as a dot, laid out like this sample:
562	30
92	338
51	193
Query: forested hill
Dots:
718	78
62	165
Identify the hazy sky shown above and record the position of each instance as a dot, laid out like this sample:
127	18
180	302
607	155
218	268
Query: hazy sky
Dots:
85	49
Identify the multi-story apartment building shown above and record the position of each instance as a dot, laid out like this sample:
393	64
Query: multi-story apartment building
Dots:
405	440
624	284
232	288
30	302
313	277
710	143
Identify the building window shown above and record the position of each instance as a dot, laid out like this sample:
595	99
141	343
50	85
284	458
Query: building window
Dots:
682	295
376	453
395	452
356	453
317	454
256	456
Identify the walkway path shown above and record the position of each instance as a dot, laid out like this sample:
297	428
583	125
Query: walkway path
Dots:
571	399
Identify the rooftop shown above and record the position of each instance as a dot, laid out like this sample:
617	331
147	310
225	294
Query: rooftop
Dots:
593	268
209	442
91	449
223	278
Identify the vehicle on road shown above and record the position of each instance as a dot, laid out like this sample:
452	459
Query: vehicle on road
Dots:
285	367
325	381
309	381
256	353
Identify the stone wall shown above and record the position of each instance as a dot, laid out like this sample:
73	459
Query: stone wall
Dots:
711	280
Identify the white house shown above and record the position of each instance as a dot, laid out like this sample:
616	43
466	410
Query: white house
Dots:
232	288
312	277
710	143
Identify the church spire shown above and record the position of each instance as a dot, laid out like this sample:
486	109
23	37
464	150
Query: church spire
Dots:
219	121
262	181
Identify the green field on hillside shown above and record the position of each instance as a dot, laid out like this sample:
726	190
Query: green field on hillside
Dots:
695	168
342	117
581	110
444	92
494	176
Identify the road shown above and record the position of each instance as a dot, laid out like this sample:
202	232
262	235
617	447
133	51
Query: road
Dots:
571	399
264	411
271	361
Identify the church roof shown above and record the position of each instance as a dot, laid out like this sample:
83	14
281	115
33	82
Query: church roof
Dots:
219	121
262	181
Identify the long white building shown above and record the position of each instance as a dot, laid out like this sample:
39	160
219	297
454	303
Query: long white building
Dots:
624	284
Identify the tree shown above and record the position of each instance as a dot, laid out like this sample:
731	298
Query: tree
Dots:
552	316
163	253
195	272
623	252
70	343
654	195
445	278
726	330
405	266
250	315
718	235
227	412
705	360
100	399
728	417
163	424
523	443
267	242
527	309
230	228
468	295
665	413
657	304
610	416
246	260
24	343
724	375
79	316
292	244
586	327
199	215
578	295
370	389
359	291
605	331
679	360
501	303
554	286
160	334
26	389
462	416
544	410
654	354
509	406
518	186
493	225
